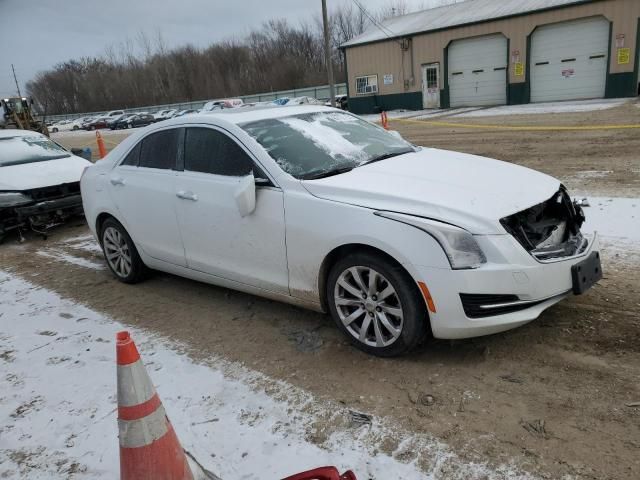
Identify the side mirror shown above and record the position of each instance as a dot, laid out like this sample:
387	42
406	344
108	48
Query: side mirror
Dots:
245	195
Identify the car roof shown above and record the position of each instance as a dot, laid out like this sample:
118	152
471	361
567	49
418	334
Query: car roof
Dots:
242	115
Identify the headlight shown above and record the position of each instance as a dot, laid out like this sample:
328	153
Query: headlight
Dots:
13	199
459	245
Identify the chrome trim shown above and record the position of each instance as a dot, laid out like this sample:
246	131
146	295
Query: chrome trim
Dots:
523	302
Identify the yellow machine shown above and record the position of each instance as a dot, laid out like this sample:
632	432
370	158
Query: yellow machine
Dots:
15	112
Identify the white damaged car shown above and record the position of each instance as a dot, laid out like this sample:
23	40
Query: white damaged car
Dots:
39	182
317	207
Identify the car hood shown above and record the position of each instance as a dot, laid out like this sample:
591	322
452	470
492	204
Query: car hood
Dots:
466	190
27	176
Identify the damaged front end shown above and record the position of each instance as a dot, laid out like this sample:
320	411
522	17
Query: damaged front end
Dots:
551	229
39	209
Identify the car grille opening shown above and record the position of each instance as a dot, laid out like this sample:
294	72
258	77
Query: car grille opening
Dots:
54	192
550	229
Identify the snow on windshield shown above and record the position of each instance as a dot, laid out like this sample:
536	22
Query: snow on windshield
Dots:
327	138
26	149
312	143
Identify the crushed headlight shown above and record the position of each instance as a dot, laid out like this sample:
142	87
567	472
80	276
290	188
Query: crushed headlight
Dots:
13	199
461	248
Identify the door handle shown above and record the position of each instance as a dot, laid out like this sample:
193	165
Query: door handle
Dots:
117	181
187	196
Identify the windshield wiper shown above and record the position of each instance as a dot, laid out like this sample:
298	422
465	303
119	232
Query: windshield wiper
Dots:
326	173
384	156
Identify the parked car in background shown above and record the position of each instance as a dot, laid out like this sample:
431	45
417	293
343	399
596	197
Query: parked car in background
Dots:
78	123
222	104
115	119
121	121
161	115
185	112
139	120
61	126
97	123
304	101
395	241
114	113
39	182
342	102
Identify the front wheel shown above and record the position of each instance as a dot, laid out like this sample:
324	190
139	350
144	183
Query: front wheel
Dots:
120	253
377	304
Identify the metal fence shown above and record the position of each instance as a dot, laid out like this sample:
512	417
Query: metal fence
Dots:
315	92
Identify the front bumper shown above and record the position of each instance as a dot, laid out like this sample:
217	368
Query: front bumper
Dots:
40	215
510	270
59	205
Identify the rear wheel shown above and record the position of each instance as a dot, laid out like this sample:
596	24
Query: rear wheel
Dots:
121	253
376	303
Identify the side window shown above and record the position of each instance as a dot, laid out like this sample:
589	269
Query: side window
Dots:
133	156
210	151
159	150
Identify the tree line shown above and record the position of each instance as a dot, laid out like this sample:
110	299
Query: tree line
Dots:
143	71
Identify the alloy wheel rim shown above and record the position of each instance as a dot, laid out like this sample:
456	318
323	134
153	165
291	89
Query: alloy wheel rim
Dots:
117	252
368	306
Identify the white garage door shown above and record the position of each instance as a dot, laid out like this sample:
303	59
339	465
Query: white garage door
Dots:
478	71
569	60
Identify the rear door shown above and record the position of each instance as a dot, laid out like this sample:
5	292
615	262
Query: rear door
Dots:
217	239
143	189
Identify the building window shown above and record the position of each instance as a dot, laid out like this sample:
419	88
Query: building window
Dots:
366	84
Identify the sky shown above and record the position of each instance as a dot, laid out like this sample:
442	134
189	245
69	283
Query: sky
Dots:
37	34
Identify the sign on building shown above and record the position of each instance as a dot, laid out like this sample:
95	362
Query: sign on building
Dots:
624	56
388	79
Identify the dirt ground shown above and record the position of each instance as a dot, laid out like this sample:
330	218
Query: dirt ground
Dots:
554	395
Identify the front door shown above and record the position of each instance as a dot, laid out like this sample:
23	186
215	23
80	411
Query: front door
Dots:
217	239
431	85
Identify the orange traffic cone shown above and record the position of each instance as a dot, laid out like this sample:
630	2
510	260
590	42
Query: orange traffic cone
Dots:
149	447
101	148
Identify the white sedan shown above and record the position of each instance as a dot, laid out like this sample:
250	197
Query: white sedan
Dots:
317	207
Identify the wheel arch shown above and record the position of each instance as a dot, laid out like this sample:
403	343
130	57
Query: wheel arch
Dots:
340	252
103	217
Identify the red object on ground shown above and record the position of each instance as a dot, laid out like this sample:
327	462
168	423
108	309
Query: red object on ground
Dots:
101	148
384	120
149	447
323	473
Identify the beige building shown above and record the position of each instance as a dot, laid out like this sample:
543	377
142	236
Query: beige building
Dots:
493	52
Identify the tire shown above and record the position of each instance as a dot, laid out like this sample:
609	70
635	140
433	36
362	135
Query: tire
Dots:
403	310
54	130
76	127
113	235
92	127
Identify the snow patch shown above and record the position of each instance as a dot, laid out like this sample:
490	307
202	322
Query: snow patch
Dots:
542	108
61	256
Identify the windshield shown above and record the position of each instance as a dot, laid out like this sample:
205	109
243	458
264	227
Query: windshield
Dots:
312	145
28	149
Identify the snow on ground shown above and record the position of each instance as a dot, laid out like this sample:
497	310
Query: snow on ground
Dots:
548	107
58	406
526	109
617	221
59	255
